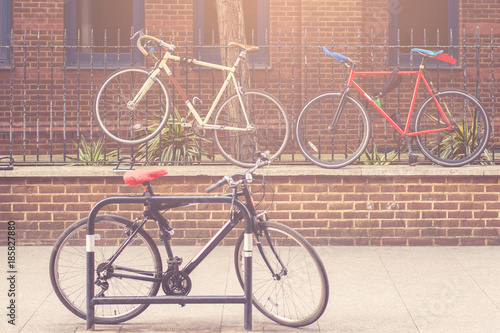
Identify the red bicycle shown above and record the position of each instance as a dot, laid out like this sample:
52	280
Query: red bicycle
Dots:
451	127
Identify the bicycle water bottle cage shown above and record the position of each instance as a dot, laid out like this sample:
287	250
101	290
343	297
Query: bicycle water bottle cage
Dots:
392	83
137	177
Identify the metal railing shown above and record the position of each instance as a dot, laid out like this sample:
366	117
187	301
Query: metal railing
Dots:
47	93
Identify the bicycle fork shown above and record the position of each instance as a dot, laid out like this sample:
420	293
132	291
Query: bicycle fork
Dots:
336	116
284	270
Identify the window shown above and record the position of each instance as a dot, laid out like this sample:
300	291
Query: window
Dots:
108	26
422	23
5	33
206	30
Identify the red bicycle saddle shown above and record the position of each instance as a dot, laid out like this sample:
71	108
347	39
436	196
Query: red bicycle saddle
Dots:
137	177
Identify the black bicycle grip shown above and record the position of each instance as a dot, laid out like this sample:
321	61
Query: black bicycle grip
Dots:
220	183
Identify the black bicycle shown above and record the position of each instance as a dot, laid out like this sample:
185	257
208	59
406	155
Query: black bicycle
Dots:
290	284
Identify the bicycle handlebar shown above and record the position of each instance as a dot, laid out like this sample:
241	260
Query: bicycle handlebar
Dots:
340	57
229	179
221	182
169	47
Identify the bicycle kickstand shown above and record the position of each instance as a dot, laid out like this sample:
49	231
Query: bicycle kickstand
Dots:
412	158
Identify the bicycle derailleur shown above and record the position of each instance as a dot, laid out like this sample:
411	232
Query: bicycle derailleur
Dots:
104	272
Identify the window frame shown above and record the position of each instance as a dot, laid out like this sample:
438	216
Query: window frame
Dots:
5	21
96	59
412	60
212	54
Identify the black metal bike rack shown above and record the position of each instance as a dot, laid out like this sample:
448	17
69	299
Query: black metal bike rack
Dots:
10	166
246	299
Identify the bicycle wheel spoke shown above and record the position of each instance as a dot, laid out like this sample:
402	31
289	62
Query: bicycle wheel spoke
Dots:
125	119
465	142
68	268
330	144
297	294
268	128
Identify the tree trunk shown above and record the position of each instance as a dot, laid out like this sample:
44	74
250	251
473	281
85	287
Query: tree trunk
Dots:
232	29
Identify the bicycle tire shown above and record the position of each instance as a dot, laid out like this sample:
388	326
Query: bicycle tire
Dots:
68	267
124	122
335	147
298	297
462	145
267	115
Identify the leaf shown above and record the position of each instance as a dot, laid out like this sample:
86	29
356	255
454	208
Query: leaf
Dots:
180	141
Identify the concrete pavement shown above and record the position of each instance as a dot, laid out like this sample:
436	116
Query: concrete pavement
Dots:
372	289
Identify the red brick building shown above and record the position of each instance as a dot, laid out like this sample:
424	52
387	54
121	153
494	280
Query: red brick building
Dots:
49	77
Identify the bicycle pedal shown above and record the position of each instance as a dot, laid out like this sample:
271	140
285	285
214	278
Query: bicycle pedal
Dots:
412	160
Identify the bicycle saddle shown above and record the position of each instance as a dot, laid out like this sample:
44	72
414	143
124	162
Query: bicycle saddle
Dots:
439	55
427	52
136	177
248	48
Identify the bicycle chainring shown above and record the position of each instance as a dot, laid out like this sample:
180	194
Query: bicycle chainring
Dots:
199	130
176	285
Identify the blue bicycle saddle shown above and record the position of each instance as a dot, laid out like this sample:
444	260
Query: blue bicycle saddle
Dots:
429	53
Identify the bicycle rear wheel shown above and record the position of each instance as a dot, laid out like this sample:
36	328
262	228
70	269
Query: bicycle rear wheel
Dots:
270	128
125	121
459	146
68	267
332	145
292	287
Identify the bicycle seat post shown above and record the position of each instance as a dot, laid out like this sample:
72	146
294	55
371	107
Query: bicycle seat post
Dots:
422	63
148	188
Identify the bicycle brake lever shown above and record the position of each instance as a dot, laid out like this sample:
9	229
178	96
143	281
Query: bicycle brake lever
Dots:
197	98
139	32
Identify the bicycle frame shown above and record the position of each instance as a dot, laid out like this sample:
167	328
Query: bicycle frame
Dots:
229	78
153	212
163	202
419	78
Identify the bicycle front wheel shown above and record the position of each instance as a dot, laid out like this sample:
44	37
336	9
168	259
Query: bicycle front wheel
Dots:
269	127
122	116
290	284
140	259
468	139
328	144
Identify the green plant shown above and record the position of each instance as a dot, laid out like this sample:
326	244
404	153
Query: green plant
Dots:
462	141
486	158
176	143
92	153
373	157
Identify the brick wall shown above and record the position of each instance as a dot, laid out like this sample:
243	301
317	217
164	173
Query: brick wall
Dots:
55	97
354	206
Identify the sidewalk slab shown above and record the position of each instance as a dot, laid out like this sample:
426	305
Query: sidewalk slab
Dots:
372	289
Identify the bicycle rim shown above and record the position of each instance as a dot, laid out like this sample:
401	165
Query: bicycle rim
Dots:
299	296
332	146
270	128
129	123
68	268
459	146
